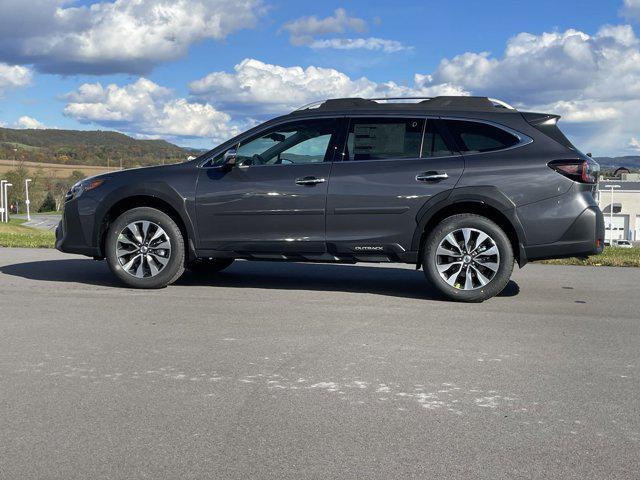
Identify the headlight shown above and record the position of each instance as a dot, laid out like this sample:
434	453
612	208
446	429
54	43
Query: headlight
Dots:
84	186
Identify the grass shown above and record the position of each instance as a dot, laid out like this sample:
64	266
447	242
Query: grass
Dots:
21	146
611	257
14	234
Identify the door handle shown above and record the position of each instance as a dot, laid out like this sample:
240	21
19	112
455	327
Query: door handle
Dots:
309	180
431	176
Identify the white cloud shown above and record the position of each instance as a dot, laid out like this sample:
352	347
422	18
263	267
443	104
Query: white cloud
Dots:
592	80
553	66
631	10
13	76
130	36
371	43
262	88
27	122
148	109
304	29
579	111
634	144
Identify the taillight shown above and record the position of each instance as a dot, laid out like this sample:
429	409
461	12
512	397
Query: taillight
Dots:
582	171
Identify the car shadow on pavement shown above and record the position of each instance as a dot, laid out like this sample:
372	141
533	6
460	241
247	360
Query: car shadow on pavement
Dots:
89	272
373	279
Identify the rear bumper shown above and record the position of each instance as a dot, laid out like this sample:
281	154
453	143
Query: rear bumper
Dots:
70	237
584	237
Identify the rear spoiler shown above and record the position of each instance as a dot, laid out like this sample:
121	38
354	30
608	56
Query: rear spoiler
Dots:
547	124
539	118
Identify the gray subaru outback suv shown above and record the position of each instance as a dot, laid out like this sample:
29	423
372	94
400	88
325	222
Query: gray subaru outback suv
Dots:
460	186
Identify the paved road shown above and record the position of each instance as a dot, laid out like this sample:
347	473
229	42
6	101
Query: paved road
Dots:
315	372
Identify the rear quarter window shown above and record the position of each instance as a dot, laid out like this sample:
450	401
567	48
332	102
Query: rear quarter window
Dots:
477	137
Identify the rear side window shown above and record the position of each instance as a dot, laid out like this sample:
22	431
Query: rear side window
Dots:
475	137
384	138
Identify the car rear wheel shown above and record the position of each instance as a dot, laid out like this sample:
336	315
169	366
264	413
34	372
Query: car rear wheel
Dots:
145	248
205	266
468	258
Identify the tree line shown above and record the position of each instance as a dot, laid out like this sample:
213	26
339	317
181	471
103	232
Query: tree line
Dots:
46	191
96	148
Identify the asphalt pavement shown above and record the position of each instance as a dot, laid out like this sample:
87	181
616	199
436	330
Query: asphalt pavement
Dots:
301	371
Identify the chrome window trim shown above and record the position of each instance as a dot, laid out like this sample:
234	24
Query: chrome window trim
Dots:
523	139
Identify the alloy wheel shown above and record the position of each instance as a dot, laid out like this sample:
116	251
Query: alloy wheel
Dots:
467	259
143	249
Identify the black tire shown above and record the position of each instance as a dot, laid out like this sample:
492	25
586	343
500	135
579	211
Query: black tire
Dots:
479	292
206	266
174	267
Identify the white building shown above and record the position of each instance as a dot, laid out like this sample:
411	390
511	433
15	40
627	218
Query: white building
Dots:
626	207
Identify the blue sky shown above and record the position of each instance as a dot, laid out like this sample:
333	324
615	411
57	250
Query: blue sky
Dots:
195	72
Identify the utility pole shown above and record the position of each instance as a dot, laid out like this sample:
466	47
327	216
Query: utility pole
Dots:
27	202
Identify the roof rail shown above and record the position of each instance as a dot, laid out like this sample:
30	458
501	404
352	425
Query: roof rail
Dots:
447	102
500	104
379	99
310	106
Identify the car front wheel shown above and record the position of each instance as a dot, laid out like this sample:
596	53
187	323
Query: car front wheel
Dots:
468	258
145	248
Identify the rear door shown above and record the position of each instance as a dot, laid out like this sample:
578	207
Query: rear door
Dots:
390	167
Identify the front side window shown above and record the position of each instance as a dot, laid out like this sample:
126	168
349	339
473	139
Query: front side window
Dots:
300	142
476	137
384	138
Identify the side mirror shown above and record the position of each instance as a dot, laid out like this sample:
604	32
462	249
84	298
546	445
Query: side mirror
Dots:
228	160
589	154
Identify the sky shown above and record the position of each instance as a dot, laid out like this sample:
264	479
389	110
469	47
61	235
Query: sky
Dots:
197	72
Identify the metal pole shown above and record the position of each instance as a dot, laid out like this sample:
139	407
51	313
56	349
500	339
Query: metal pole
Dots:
611	218
2	182
6	200
27	201
611	215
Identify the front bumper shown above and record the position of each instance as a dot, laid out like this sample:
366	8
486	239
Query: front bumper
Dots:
70	235
584	237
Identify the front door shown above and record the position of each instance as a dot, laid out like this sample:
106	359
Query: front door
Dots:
274	199
390	167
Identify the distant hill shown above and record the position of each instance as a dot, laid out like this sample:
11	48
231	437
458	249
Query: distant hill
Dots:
632	162
87	148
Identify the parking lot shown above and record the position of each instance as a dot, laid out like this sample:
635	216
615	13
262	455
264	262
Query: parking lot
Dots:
296	371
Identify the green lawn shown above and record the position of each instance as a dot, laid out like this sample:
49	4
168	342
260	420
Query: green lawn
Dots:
611	257
14	234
